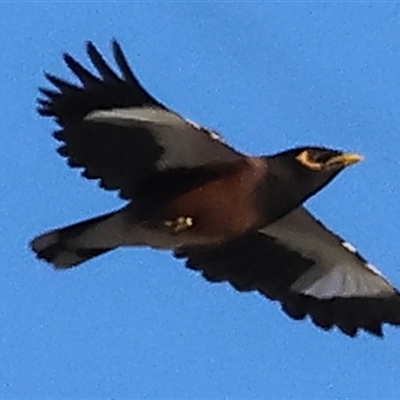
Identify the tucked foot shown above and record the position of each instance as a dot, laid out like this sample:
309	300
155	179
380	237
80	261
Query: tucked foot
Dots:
179	224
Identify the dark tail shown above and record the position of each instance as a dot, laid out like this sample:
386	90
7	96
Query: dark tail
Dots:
74	244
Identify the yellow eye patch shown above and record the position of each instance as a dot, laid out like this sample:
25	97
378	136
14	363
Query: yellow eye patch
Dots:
305	159
343	160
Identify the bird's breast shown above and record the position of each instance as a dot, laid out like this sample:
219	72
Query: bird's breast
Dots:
219	209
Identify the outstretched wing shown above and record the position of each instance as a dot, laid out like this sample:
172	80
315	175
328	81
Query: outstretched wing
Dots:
309	270
114	129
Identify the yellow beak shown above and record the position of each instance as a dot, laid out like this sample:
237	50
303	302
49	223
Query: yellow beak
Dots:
345	159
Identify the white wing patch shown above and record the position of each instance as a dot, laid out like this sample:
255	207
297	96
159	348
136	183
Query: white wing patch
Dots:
374	269
338	270
349	247
212	134
343	280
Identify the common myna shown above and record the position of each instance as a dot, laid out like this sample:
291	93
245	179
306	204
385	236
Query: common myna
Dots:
234	217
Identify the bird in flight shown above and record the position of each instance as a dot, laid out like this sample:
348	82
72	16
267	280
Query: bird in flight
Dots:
232	217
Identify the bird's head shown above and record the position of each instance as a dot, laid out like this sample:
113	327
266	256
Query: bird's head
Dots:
315	163
295	175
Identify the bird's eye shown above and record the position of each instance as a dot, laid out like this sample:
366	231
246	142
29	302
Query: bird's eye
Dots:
317	160
312	160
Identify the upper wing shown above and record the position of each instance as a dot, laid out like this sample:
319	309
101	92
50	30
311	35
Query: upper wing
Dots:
309	270
113	128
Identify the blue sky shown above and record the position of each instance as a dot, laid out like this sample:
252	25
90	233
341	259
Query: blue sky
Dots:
136	323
